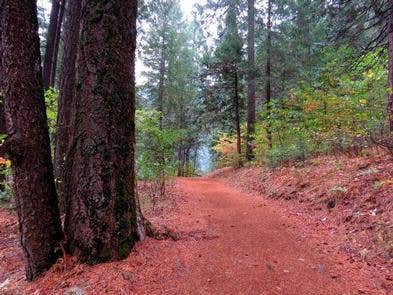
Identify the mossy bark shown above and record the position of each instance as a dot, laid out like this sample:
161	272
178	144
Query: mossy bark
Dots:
103	220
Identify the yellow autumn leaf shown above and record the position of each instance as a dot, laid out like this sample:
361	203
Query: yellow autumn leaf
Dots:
5	162
363	102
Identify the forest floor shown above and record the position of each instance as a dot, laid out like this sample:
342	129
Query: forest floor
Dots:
229	241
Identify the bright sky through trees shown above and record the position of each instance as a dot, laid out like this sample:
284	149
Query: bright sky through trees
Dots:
186	5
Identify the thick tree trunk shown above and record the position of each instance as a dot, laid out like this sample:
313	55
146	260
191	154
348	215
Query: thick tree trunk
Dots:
251	81
66	97
3	127
269	74
390	68
52	43
103	219
237	120
27	144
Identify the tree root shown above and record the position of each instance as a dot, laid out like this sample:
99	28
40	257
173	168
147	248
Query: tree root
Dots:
160	233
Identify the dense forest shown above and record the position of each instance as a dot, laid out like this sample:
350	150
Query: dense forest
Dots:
269	82
97	96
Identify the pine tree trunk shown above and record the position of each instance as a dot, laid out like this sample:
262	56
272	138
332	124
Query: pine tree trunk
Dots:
66	97
251	81
3	128
27	144
390	68
52	43
160	101
103	220
237	119
56	46
269	75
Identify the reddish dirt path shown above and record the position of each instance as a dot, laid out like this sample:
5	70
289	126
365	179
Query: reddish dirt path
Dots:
231	243
247	248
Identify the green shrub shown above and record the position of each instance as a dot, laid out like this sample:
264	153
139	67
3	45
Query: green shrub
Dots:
340	112
156	149
287	155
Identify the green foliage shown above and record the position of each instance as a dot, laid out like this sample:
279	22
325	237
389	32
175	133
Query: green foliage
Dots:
156	146
283	155
225	151
170	51
339	112
324	97
51	98
6	192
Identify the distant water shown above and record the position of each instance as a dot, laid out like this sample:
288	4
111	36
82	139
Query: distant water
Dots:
205	160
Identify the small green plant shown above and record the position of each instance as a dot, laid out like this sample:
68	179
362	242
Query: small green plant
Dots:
156	150
381	183
6	191
286	155
51	99
339	190
225	149
367	172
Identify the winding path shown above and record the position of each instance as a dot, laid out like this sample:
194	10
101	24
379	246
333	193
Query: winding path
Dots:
229	243
235	243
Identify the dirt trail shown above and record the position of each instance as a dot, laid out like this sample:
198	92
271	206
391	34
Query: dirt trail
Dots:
230	243
247	247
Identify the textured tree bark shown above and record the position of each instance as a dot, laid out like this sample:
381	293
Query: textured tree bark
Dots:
390	67
55	54
269	74
103	219
27	144
251	81
3	127
237	118
52	43
66	96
